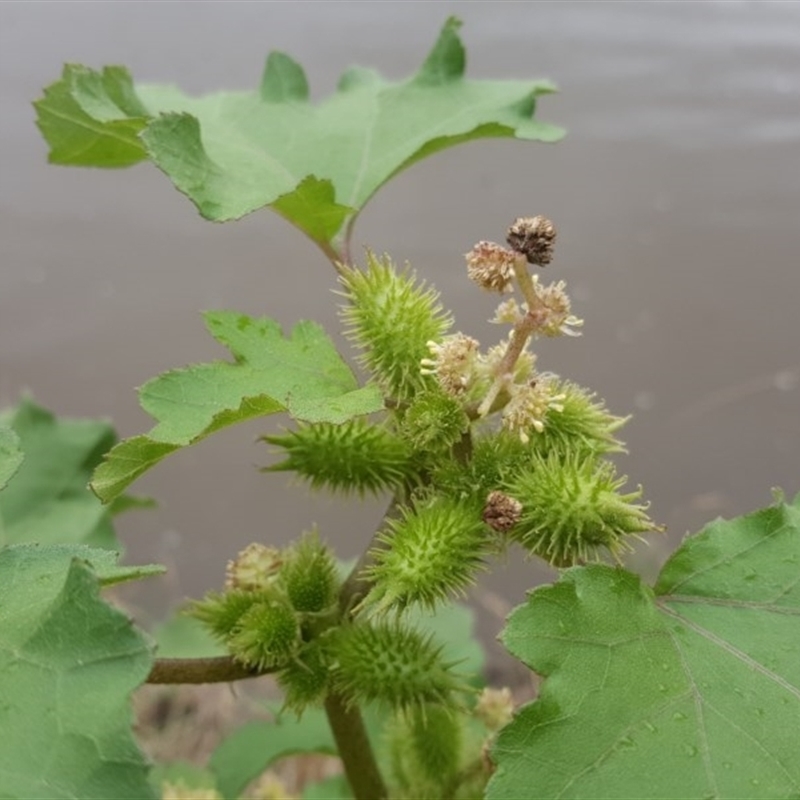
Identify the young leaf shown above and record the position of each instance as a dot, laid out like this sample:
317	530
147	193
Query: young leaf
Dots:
234	152
92	119
302	374
68	663
691	690
47	499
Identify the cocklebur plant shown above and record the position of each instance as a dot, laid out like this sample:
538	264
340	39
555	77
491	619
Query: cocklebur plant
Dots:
689	688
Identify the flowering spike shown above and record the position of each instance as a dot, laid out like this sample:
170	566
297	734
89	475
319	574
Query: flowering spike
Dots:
551	316
508	313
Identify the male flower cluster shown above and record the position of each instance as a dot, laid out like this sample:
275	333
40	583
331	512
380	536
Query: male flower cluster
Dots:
504	378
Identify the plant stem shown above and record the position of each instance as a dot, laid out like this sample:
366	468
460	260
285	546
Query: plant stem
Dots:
346	721
520	334
220	669
355	750
356	586
347	724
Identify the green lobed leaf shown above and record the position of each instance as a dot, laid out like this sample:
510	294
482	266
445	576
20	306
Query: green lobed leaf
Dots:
68	663
102	562
232	153
314	202
92	119
690	690
47	499
250	750
301	373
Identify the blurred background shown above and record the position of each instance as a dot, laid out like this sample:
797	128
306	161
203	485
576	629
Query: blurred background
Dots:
676	194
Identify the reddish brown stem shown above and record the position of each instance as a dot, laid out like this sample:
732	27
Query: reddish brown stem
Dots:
220	669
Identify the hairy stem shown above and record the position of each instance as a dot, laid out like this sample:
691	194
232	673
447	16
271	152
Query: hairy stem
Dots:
331	253
346	722
355	749
220	669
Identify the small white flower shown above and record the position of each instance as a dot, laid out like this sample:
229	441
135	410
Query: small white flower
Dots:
529	406
508	312
454	362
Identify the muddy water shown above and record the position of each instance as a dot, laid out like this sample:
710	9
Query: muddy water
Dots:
676	194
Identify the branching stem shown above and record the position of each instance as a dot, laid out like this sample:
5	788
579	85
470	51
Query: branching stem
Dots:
520	334
220	669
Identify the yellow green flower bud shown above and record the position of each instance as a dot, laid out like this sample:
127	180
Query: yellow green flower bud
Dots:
256	567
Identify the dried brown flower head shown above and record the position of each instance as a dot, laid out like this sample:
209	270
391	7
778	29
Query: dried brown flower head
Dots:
491	266
534	237
501	511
